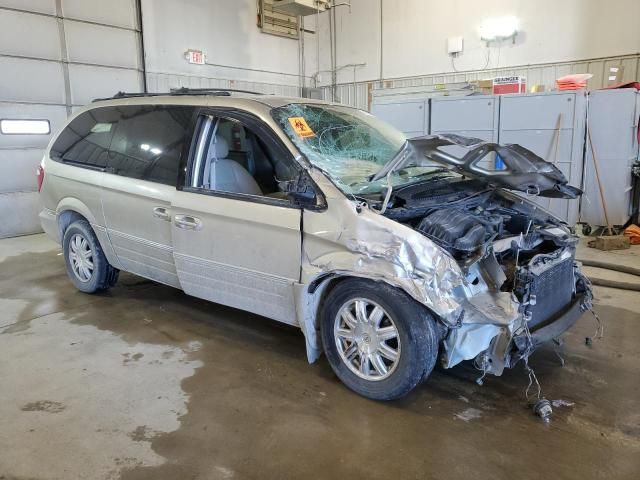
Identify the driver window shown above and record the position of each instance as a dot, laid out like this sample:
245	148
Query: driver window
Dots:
234	159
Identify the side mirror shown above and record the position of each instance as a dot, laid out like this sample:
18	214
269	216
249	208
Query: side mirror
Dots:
301	191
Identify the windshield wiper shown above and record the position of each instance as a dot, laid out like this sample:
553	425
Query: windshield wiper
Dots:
436	170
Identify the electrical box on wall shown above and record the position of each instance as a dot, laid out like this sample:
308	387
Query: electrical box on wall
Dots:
455	45
300	7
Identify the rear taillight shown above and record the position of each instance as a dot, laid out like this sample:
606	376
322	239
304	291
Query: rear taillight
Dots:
40	176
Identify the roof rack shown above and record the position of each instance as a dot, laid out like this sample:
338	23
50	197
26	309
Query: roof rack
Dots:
180	91
209	91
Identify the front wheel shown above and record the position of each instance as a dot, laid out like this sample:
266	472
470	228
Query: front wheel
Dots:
378	340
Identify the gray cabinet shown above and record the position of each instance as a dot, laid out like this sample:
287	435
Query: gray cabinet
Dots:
411	117
613	121
552	125
471	116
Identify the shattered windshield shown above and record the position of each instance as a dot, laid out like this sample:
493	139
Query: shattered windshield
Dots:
348	144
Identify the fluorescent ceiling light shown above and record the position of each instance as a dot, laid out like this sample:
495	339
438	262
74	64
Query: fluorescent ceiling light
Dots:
498	28
25	127
156	151
145	146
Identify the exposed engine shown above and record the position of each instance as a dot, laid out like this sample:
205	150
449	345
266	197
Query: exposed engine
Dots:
460	231
502	242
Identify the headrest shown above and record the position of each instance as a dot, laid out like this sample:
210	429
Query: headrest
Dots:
219	149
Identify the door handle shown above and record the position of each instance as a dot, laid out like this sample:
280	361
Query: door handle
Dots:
162	213
187	222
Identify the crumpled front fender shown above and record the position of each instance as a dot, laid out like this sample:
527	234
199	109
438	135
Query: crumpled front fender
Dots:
351	240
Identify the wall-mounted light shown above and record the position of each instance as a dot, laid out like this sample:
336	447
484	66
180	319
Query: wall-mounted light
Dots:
499	28
24	127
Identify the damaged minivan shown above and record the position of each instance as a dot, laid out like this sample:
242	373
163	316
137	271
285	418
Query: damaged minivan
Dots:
389	254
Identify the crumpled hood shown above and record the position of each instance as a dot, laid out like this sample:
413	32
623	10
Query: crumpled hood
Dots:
523	170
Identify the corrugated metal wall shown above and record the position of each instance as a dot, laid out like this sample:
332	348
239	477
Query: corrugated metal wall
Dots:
163	82
357	94
56	55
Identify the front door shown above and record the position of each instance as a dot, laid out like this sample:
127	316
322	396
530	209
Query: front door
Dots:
236	237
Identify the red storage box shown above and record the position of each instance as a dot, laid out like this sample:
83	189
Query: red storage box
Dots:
514	84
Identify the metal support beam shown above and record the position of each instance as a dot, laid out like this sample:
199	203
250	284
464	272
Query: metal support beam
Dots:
65	56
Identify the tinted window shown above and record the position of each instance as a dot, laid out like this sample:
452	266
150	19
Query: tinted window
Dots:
86	139
148	142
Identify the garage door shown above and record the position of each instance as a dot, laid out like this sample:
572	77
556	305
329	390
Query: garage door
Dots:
55	56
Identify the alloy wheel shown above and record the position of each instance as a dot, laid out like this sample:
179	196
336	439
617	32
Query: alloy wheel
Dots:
81	258
367	339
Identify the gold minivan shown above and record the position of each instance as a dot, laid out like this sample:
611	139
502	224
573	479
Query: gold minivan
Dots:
387	253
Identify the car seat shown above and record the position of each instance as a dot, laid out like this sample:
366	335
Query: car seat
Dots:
228	175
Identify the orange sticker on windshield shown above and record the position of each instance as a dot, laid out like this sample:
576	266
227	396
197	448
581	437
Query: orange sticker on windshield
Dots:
299	125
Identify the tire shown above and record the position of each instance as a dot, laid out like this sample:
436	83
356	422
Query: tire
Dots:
415	343
586	229
86	263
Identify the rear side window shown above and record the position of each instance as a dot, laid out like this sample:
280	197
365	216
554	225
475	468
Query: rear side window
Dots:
149	140
85	141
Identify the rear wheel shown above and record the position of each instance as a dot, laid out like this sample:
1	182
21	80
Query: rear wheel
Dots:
379	342
86	263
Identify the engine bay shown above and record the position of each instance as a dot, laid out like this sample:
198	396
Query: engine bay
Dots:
481	225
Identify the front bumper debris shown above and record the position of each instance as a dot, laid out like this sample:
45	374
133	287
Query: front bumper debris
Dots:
555	328
496	346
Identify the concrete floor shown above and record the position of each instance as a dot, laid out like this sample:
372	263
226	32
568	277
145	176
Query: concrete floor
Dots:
144	382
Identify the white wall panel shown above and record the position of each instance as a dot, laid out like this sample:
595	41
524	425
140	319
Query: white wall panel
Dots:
24	208
31	81
44	39
108	46
18	170
226	31
90	82
112	12
40	6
